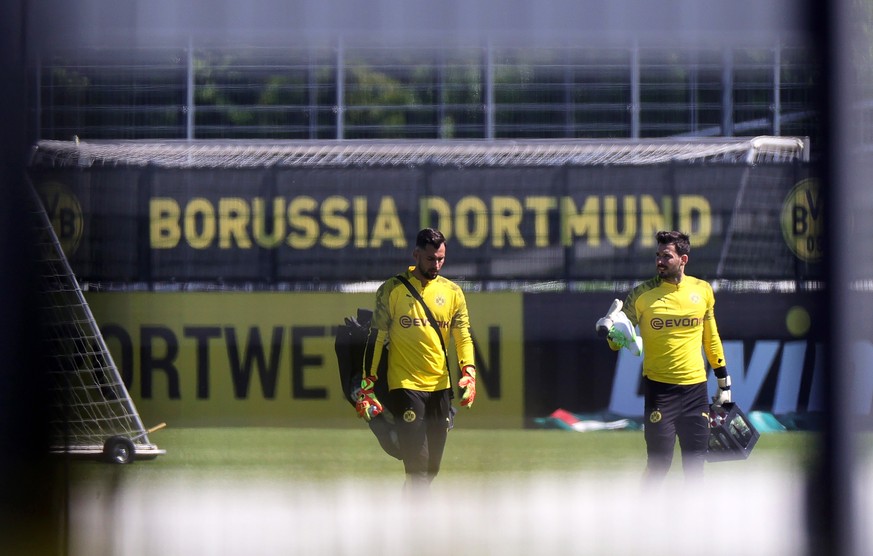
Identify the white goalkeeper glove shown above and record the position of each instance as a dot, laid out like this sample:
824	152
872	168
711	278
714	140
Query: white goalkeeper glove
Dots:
605	323
617	328
723	395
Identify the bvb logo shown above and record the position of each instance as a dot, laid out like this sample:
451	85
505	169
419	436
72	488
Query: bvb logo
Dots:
655	416
409	416
803	221
65	214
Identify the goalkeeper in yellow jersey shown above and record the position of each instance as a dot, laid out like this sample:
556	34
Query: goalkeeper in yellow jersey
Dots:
676	319
419	382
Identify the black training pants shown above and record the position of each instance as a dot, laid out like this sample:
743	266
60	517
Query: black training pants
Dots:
422	421
672	411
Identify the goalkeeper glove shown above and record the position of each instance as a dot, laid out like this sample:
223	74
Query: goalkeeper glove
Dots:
723	395
623	335
368	406
467	384
604	324
617	328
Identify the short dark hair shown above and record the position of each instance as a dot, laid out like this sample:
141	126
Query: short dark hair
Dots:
429	236
680	241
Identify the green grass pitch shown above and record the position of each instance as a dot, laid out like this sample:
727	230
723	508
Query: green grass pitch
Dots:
314	454
507	492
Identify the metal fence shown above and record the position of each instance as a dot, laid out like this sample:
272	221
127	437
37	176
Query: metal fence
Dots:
350	91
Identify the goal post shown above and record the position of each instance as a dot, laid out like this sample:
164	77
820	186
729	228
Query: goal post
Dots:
92	413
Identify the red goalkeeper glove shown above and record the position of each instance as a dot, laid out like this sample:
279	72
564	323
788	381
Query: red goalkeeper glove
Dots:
368	406
467	384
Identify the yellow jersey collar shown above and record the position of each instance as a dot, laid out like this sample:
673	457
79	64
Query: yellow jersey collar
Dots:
671	285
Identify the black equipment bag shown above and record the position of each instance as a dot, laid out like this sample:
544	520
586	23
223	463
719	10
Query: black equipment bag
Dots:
732	435
354	352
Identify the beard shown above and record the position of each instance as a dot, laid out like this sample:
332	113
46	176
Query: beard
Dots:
667	273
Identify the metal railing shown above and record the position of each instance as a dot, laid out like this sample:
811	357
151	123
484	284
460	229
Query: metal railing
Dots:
358	92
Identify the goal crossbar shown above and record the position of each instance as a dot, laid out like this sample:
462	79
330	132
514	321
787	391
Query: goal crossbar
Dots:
504	153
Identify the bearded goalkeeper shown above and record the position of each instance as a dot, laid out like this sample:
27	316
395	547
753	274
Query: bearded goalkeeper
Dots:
419	385
676	318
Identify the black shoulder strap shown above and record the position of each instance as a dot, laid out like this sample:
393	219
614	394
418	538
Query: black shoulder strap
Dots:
431	319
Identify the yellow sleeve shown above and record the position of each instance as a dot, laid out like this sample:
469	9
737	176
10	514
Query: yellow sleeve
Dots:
712	345
464	347
378	351
461	332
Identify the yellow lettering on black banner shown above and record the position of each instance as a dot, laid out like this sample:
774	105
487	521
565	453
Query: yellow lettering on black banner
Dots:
304	225
263	237
164	231
654	218
233	223
360	216
387	226
506	222
695	218
339	230
580	223
471	221
501	221
541	207
199	223
620	235
436	212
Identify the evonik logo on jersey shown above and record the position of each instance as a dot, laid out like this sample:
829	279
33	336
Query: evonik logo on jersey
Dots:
684	322
408	322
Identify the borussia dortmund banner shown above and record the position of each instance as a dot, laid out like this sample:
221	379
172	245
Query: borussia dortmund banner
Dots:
273	225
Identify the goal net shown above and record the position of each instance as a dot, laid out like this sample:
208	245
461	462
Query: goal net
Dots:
259	154
91	410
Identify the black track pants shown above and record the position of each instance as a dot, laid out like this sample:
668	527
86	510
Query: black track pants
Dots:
422	420
675	411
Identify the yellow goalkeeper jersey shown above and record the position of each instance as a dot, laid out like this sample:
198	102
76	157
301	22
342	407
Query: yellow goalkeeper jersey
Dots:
415	355
675	322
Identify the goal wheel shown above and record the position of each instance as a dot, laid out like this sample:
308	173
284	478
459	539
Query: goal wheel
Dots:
118	449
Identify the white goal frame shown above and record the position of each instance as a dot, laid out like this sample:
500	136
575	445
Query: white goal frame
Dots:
92	413
180	154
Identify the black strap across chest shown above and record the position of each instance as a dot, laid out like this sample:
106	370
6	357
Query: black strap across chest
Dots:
431	319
